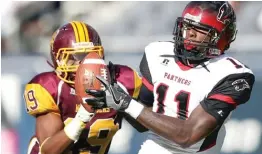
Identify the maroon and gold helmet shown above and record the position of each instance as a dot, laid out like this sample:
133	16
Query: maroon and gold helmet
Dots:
72	42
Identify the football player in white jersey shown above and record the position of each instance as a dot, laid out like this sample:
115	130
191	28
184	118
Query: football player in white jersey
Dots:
193	84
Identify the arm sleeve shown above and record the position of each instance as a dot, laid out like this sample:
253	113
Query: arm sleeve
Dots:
227	94
146	95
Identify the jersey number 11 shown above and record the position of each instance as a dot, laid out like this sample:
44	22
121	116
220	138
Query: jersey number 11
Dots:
181	98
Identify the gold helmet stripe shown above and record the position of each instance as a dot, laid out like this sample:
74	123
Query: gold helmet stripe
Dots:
85	31
75	31
81	31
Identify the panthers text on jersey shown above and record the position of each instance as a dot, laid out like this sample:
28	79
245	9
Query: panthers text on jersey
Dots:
218	85
47	93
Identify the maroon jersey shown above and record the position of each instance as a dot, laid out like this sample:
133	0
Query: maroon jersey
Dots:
46	93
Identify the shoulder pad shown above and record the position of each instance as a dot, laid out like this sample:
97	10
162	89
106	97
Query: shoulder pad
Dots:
159	47
227	65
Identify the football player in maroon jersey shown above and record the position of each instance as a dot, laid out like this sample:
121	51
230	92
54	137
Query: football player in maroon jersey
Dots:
62	124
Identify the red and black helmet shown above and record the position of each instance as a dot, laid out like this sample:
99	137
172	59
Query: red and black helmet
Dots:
73	41
217	18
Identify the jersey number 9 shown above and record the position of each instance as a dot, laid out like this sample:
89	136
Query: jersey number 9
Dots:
31	100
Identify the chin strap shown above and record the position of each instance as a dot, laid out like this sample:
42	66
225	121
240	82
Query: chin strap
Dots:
50	64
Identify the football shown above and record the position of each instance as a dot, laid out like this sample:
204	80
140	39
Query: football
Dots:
91	66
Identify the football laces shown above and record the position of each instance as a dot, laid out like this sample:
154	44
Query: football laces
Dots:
104	75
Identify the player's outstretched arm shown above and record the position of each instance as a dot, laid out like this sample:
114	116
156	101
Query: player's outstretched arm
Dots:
182	132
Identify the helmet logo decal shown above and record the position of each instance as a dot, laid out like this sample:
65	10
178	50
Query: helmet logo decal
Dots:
83	44
222	13
89	78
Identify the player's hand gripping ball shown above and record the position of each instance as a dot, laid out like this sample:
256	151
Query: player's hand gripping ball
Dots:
91	66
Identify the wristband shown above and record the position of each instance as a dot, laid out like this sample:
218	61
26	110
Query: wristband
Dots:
74	129
134	109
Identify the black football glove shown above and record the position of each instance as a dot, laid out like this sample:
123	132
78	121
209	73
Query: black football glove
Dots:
98	100
116	97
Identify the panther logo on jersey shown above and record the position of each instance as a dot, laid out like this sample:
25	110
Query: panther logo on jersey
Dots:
240	84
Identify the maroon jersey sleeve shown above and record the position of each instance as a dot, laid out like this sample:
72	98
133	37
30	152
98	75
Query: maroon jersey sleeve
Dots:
40	94
129	78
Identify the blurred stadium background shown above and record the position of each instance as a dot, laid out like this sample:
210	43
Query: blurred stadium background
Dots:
125	28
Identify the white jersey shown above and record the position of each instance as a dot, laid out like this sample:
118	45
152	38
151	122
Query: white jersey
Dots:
178	90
